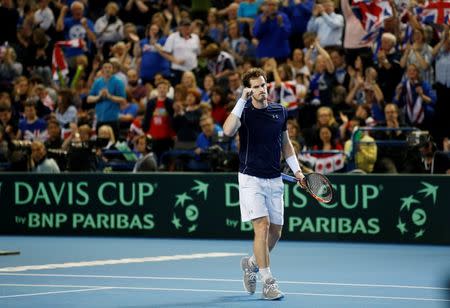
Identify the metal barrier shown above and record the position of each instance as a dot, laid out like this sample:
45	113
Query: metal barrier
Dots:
351	165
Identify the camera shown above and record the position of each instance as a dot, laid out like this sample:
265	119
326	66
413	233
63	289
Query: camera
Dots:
112	19
220	154
418	138
81	156
20	145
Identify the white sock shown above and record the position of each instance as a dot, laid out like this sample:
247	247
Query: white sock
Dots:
252	261
265	274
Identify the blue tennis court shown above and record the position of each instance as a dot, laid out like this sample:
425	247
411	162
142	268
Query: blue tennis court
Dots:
137	272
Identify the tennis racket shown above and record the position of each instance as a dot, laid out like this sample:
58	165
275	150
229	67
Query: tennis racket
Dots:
317	185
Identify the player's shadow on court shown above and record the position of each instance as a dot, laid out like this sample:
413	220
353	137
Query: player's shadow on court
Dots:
241	299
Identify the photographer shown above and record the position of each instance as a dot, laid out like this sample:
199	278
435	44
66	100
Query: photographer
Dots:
54	144
213	149
80	149
424	156
39	161
147	160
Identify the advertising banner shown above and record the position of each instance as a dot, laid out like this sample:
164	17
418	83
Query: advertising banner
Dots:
369	208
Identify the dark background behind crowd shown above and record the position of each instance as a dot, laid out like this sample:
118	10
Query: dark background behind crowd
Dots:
146	85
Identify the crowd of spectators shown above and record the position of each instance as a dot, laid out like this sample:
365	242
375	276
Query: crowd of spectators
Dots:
146	85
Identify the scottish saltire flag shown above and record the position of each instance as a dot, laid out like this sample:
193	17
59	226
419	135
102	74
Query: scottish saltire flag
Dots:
364	21
434	12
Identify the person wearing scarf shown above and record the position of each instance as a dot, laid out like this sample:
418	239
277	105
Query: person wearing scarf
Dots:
416	98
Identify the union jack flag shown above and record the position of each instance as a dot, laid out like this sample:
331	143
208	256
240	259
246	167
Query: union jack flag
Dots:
58	61
365	19
372	15
434	12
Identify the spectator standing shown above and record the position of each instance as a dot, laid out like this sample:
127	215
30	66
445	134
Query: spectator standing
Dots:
299	13
107	93
328	25
66	112
151	60
76	27
416	99
181	48
441	55
44	17
389	69
272	29
158	120
108	29
419	53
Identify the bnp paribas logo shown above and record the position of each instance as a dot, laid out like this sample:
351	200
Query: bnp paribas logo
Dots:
186	207
414	211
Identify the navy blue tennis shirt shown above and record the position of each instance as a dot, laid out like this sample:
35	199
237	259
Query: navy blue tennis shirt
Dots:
260	138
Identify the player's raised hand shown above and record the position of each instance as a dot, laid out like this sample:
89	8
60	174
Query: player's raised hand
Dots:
246	93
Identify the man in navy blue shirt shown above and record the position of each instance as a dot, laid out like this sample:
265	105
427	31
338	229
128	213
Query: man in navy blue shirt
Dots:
263	138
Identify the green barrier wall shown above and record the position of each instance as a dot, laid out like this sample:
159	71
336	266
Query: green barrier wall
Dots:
398	209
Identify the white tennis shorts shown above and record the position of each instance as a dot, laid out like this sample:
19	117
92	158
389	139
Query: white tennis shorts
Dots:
260	197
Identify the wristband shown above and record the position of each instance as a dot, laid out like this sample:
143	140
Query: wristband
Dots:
239	108
292	162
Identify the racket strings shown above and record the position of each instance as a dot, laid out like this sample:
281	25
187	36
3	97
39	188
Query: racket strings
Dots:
319	187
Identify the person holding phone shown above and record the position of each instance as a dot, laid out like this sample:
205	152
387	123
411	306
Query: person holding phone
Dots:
263	137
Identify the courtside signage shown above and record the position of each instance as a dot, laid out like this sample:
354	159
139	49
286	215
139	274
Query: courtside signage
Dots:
398	209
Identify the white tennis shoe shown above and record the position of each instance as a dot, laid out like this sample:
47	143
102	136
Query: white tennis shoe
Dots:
271	290
250	276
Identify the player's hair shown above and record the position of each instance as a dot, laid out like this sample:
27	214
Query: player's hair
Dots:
252	74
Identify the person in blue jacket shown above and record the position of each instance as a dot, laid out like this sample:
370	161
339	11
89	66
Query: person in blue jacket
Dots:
272	29
299	13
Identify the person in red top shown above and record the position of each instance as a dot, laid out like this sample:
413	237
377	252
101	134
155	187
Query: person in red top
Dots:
327	142
218	103
157	120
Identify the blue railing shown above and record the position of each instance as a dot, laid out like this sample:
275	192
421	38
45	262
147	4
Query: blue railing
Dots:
391	143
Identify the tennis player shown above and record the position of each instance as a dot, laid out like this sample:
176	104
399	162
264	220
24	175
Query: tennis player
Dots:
263	137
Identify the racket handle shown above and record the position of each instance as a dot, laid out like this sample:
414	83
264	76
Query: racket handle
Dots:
289	178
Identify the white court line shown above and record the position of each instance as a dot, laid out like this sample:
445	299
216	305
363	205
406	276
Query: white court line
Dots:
225	291
54	292
121	261
365	285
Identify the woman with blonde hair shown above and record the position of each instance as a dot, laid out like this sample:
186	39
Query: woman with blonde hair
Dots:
190	81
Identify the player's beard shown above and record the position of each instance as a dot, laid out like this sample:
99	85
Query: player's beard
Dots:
260	98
